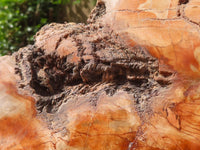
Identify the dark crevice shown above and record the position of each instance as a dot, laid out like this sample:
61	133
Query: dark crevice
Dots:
183	2
163	83
179	13
166	73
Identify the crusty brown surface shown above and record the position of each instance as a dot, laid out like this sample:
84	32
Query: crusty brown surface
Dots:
97	86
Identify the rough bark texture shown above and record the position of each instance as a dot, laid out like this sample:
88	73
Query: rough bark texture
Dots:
129	79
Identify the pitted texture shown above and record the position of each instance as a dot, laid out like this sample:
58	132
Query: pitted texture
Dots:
96	87
86	59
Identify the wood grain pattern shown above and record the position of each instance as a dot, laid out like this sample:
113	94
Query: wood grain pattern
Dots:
127	80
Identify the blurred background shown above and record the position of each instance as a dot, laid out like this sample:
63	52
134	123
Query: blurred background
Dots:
21	19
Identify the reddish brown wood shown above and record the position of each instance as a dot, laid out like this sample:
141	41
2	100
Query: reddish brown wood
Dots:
129	79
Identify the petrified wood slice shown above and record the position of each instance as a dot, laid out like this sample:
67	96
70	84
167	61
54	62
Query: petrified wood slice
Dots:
129	79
